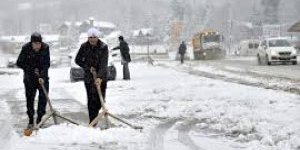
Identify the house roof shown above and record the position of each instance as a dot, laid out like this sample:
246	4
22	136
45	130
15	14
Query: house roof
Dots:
143	31
101	24
295	27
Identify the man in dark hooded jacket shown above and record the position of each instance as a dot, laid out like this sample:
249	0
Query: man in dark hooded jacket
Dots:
182	51
124	49
34	59
93	55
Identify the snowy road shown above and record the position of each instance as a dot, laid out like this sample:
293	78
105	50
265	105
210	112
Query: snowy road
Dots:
244	70
179	107
249	65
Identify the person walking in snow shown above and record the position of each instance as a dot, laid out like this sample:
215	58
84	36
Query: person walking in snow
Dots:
93	54
124	49
182	51
34	59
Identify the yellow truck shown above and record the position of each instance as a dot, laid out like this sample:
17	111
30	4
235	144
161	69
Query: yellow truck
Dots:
207	44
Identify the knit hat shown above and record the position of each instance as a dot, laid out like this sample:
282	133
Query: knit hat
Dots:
93	32
36	37
121	38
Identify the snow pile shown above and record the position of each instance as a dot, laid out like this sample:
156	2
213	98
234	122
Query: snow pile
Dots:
78	135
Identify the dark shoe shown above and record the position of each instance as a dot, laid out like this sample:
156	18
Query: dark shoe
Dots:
38	120
29	126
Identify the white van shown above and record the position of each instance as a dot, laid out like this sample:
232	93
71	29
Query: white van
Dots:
248	48
273	50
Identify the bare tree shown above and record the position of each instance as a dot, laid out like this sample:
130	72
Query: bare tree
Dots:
270	11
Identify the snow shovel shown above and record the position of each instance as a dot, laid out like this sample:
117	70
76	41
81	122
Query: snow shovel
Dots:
104	112
53	113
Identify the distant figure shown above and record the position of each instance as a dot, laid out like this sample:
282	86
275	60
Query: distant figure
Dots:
34	59
124	49
182	51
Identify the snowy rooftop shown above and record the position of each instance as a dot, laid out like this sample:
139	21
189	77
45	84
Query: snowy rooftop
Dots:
277	38
17	39
102	24
50	37
295	27
143	31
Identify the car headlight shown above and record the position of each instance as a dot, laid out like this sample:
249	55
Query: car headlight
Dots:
274	53
294	52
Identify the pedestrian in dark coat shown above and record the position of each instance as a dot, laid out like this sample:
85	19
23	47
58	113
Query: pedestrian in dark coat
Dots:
93	54
34	59
182	51
124	49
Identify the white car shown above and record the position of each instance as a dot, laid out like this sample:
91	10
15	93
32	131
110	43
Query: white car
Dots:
272	50
12	62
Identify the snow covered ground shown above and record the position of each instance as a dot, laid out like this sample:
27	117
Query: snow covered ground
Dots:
178	110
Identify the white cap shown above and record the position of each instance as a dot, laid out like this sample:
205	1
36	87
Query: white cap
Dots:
93	32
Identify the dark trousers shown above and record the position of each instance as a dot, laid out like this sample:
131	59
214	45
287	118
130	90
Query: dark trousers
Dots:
181	58
126	72
31	87
94	104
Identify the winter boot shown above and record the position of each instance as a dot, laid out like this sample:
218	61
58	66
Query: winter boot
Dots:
30	126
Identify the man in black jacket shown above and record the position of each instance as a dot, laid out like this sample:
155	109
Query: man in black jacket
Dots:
182	51
35	58
124	49
93	54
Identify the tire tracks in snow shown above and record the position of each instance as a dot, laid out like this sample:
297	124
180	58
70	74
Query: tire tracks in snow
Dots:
17	107
266	85
6	129
183	134
156	137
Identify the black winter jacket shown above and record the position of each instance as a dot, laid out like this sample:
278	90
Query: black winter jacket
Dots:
30	61
124	51
93	56
182	49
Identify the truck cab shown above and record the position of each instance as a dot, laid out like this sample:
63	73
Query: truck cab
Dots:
207	45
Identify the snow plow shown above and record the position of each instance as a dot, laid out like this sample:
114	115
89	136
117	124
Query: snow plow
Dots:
207	45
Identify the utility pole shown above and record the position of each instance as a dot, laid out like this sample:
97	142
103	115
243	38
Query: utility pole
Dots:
148	49
230	27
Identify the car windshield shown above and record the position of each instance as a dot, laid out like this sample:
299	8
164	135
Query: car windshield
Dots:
212	38
253	45
279	43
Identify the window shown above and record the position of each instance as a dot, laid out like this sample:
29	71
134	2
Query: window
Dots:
211	38
263	44
279	43
256	45
250	45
